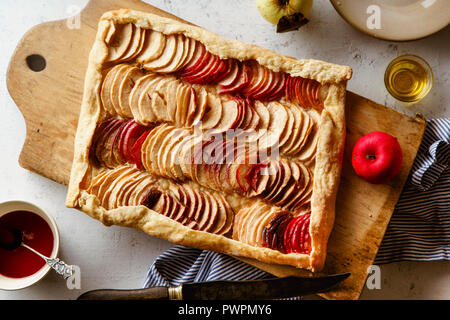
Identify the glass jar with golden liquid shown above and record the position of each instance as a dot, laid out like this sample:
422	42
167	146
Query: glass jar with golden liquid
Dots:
408	78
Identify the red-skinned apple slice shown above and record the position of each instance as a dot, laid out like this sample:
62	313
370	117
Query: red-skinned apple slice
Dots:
270	83
212	219
242	82
136	149
210	67
232	76
198	61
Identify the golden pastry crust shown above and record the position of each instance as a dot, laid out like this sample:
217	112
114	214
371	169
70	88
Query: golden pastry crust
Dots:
328	156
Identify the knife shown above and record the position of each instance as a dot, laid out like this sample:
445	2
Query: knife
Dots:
286	287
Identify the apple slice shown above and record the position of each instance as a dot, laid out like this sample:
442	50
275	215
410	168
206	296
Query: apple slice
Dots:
155	147
207	222
129	79
296	129
198	61
120	41
182	49
154	45
229	116
128	189
166	57
140	190
135	96
279	90
232	76
133	132
114	91
175	159
107	185
209	68
307	126
135	44
242	82
122	195
146	101
308	150
277	125
103	144
213	112
155	199
302	196
257	237
158	105
192	47
284	175
105	93
265	85
269	86
287	133
225	220
182	105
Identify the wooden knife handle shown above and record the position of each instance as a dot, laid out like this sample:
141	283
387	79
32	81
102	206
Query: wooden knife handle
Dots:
154	293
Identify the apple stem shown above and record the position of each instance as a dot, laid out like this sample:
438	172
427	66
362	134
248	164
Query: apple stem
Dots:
371	157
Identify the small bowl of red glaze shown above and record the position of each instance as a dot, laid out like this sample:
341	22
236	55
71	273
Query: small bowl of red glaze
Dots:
21	268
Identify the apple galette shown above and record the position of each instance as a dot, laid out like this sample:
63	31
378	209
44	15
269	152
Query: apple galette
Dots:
208	142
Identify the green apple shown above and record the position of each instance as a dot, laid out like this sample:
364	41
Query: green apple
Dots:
274	10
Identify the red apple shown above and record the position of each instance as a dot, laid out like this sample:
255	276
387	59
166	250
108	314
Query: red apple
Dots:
377	157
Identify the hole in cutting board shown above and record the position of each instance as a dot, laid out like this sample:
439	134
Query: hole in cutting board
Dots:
36	62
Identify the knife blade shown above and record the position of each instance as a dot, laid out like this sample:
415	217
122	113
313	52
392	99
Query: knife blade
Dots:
285	287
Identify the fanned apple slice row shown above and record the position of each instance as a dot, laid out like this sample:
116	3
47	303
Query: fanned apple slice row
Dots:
309	148
232	76
109	180
125	191
213	112
286	135
159	98
163	165
120	41
166	57
201	105
129	80
155	147
229	116
255	224
119	183
183	99
114	91
135	100
297	129
136	44
154	45
105	93
307	126
277	126
185	51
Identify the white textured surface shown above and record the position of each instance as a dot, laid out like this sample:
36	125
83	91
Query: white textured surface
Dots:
119	257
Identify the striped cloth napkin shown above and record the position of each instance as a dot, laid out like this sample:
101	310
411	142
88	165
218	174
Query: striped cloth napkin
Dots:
419	229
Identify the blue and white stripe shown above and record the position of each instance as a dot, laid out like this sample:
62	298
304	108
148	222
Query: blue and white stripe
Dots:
418	231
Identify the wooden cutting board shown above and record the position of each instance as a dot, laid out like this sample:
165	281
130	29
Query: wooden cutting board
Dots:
50	101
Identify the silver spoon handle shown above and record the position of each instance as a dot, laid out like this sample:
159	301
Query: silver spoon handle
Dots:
59	266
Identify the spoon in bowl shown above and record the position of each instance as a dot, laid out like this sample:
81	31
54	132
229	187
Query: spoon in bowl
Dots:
11	239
